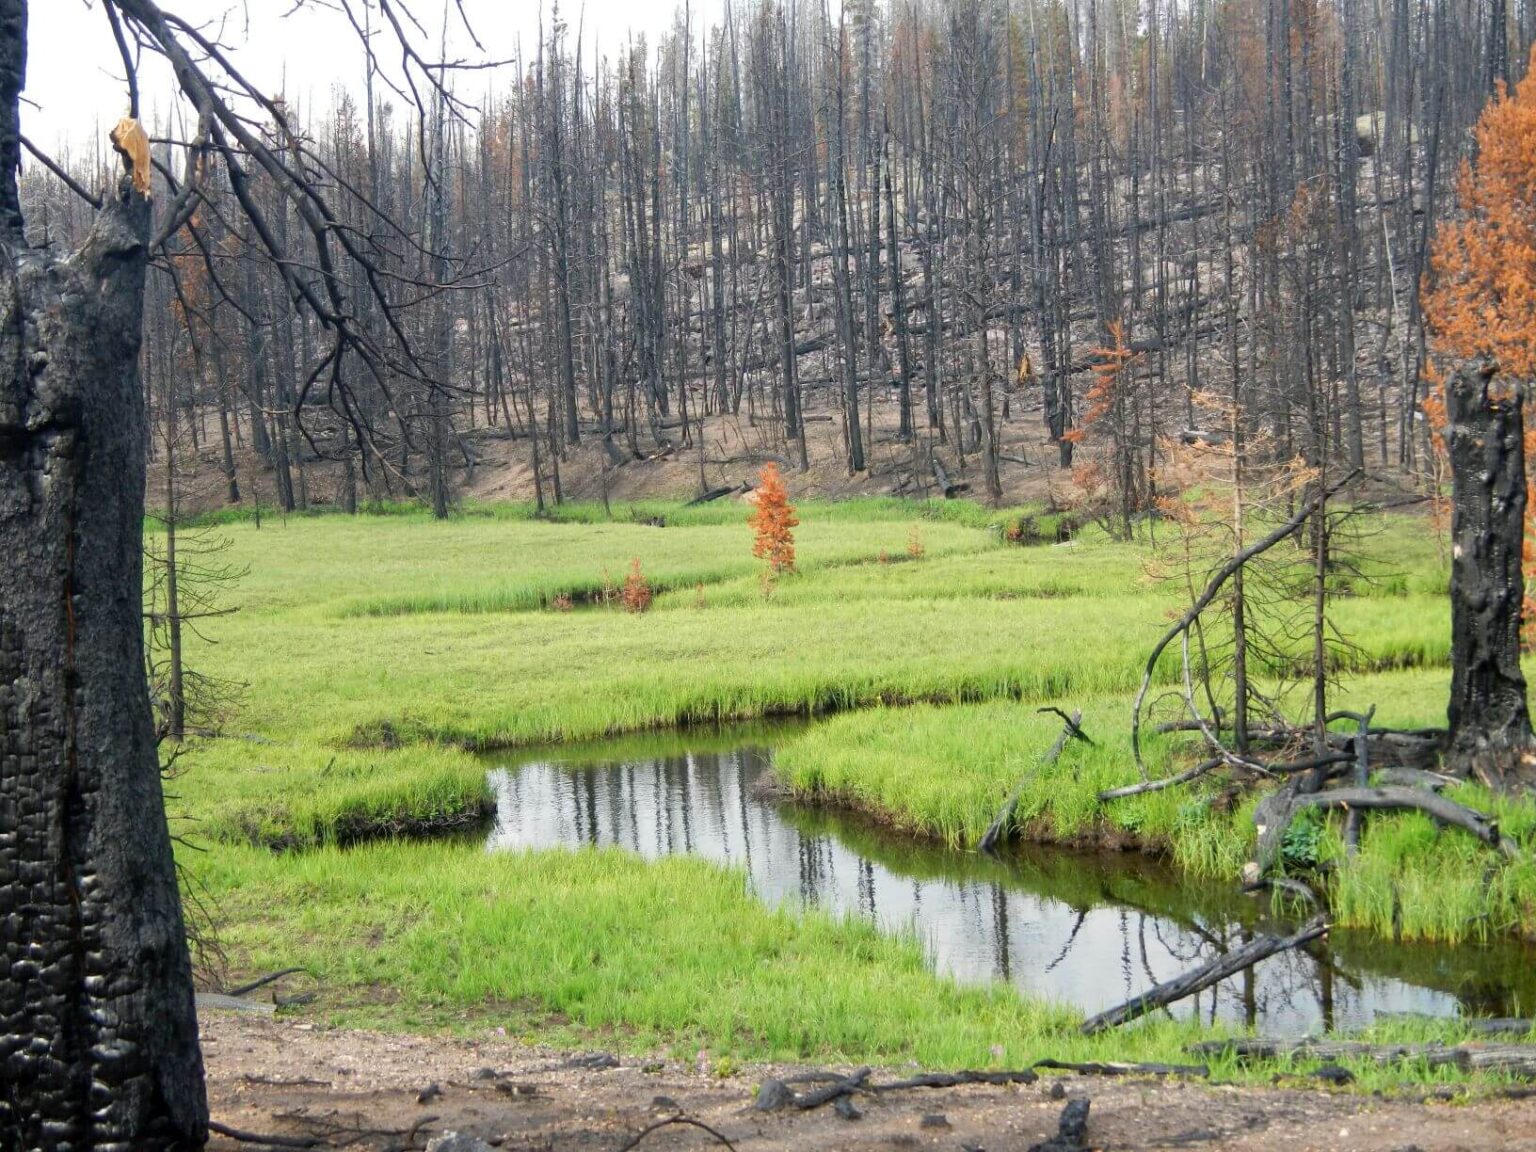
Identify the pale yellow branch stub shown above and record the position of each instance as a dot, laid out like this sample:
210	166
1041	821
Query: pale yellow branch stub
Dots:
132	143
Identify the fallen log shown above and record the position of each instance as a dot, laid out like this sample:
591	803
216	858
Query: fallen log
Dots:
1434	1055
998	831
774	1094
1414	778
845	1086
955	1079
1390	799
950	489
1473	1056
1481	1025
1115	1068
241	1136
713	494
1071	1130
1198	979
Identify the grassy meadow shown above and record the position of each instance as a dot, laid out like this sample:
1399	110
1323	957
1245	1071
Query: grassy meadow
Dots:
380	652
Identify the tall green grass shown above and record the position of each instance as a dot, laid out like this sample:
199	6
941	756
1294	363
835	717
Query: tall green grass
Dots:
381	651
387	646
945	772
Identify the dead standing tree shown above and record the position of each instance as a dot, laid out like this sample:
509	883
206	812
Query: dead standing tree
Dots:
98	1036
1479	303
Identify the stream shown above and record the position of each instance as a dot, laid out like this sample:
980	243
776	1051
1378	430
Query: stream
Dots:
1085	929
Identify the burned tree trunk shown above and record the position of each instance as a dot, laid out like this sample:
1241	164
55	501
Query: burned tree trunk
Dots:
98	1040
1489	722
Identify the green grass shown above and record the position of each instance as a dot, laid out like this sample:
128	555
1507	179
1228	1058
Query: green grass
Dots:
944	773
381	651
672	954
596	946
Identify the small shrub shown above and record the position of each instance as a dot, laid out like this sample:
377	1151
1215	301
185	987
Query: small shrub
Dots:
1301	847
915	543
608	595
637	593
1024	531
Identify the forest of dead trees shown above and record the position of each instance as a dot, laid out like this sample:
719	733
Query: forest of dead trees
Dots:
921	220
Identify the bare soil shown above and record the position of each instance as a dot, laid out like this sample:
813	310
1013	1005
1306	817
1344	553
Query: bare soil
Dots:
734	449
369	1090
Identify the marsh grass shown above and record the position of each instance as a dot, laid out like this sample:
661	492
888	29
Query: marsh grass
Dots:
944	772
383	651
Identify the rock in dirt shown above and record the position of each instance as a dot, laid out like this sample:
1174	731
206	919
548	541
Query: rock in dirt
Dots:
773	1095
594	1061
457	1142
935	1120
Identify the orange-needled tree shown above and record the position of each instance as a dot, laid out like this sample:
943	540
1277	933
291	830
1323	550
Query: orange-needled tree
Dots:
773	522
1480	305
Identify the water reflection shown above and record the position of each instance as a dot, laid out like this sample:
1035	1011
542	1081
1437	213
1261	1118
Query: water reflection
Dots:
1088	930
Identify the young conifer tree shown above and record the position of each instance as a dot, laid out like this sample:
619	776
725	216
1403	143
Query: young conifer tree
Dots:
773	521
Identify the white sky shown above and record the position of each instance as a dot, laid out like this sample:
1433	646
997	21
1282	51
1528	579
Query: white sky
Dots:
74	75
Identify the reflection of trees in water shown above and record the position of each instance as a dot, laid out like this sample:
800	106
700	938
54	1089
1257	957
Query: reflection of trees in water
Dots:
1070	925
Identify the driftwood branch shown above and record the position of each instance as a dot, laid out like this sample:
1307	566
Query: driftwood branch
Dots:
999	829
247	989
1260	948
1115	1068
713	494
684	1121
845	1087
1146	786
1072	722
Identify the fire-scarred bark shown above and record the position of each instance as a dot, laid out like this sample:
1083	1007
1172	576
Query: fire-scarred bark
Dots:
98	1039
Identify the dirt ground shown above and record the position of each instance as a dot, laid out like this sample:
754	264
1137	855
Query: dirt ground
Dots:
734	449
367	1090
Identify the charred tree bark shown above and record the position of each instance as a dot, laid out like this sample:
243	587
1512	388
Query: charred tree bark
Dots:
98	1038
1488	718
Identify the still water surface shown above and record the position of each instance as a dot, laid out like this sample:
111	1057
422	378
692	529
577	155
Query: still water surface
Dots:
1086	929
